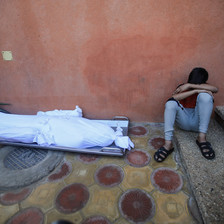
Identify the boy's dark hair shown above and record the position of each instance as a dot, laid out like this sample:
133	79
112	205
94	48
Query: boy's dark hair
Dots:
198	76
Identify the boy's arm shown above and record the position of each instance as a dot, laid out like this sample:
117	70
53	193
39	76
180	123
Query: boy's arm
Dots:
189	86
183	95
204	86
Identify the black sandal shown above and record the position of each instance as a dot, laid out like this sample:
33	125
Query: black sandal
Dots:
206	149
162	154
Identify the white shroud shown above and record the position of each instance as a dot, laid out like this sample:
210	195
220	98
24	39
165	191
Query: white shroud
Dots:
60	128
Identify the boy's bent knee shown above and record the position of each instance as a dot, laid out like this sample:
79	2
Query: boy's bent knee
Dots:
205	97
171	104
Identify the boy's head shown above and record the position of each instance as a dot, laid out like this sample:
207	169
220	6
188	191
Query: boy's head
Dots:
198	76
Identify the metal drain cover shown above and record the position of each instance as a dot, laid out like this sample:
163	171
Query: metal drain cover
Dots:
22	166
23	158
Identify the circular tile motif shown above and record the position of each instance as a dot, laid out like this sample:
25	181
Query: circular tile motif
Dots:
63	172
96	220
137	130
29	215
137	206
11	198
72	198
109	175
86	158
157	142
167	180
137	158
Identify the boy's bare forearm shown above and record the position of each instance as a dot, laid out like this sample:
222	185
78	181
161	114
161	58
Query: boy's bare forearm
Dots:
183	95
207	87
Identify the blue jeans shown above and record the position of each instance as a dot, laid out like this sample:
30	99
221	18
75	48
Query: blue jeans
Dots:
190	119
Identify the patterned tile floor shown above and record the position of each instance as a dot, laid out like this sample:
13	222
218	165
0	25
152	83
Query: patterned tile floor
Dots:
96	189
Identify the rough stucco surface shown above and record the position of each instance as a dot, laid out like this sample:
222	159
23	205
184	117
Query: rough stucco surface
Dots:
205	176
110	57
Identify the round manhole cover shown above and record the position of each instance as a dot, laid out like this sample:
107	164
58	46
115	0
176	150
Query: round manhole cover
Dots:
22	166
23	158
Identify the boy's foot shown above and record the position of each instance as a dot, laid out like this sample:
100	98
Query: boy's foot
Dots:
162	154
206	149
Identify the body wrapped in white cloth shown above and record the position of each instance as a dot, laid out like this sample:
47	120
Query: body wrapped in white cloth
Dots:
60	128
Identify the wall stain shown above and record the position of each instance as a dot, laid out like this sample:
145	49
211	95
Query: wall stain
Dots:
124	68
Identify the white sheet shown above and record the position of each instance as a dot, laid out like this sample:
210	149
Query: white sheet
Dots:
60	128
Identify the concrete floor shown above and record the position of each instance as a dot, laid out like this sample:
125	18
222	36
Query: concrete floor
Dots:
97	189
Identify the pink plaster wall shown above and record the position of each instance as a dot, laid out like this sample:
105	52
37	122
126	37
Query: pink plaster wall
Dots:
110	57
